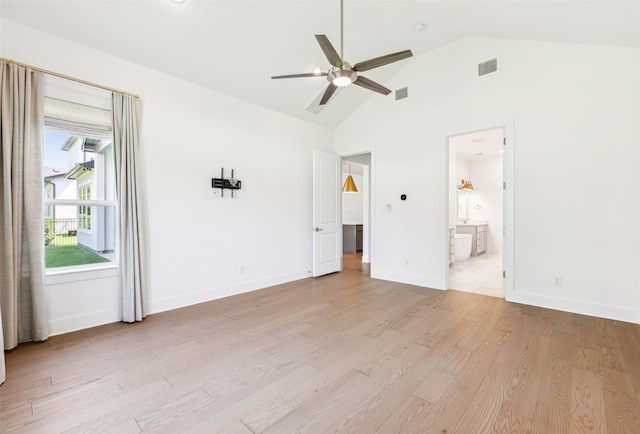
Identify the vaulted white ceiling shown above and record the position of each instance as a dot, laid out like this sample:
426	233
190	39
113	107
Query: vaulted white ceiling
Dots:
236	46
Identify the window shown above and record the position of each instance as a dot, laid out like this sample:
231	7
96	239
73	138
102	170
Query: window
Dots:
84	211
79	176
79	191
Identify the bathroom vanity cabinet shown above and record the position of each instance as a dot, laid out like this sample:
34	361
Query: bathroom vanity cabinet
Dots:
479	233
351	238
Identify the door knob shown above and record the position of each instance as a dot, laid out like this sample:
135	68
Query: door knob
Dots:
318	229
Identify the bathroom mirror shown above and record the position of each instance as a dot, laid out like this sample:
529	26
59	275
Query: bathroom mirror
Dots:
463	205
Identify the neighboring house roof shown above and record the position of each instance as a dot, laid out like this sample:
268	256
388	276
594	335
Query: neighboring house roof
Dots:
53	173
79	169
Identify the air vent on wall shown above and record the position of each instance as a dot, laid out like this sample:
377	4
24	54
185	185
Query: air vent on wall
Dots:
487	67
402	93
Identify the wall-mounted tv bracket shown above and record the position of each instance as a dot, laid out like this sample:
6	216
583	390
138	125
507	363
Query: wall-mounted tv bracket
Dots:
229	183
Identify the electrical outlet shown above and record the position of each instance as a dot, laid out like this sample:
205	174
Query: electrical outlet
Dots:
242	269
557	281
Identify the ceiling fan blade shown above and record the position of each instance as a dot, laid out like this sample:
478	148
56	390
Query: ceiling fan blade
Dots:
329	51
306	74
371	85
327	93
382	60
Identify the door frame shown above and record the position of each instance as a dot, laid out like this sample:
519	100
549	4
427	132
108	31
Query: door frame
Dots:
508	222
369	206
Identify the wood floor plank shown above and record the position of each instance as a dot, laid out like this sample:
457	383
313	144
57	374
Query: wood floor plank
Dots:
444	415
616	381
555	384
485	323
328	408
396	355
508	421
516	342
407	418
221	415
340	353
549	419
434	385
622	413
629	338
526	385
388	386
586	358
612	358
481	414
587	406
96	417
173	412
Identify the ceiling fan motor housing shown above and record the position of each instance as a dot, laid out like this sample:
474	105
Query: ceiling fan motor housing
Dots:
342	75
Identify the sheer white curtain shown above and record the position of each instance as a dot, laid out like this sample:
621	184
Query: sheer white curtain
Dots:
126	139
22	275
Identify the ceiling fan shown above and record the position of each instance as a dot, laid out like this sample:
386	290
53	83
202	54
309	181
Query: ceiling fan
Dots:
342	73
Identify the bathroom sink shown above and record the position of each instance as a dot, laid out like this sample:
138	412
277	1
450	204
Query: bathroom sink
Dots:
473	223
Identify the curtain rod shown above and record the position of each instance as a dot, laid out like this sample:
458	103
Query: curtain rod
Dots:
67	77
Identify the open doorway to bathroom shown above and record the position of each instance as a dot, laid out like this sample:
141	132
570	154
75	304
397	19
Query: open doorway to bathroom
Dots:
356	212
476	174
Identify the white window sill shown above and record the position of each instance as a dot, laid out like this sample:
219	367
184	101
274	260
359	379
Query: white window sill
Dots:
81	272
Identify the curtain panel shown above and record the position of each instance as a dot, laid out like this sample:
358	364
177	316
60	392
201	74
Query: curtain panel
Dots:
126	140
22	269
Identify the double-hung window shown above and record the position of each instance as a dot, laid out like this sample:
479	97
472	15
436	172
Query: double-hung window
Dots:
79	186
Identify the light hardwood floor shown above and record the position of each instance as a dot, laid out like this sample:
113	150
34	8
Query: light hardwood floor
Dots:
340	353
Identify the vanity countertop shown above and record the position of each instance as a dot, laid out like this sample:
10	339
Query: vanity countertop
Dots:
473	223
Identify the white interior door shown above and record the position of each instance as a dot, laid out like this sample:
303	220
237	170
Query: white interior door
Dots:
327	214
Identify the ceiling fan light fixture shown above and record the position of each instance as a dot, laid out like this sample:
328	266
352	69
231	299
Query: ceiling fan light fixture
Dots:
342	77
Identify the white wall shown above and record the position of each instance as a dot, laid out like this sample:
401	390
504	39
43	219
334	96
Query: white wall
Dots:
198	244
570	115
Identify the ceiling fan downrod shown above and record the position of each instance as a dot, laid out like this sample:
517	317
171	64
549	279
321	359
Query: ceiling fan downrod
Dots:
342	30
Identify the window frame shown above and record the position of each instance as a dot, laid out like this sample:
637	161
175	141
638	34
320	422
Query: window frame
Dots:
88	203
84	211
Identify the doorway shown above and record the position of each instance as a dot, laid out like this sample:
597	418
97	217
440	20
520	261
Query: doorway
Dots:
356	215
476	197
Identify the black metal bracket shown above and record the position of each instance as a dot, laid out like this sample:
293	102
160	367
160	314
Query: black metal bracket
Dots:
226	183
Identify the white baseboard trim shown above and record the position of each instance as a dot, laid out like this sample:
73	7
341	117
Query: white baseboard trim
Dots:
618	313
81	322
408	279
171	303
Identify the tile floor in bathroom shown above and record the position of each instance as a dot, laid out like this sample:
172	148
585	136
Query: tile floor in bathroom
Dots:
480	274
